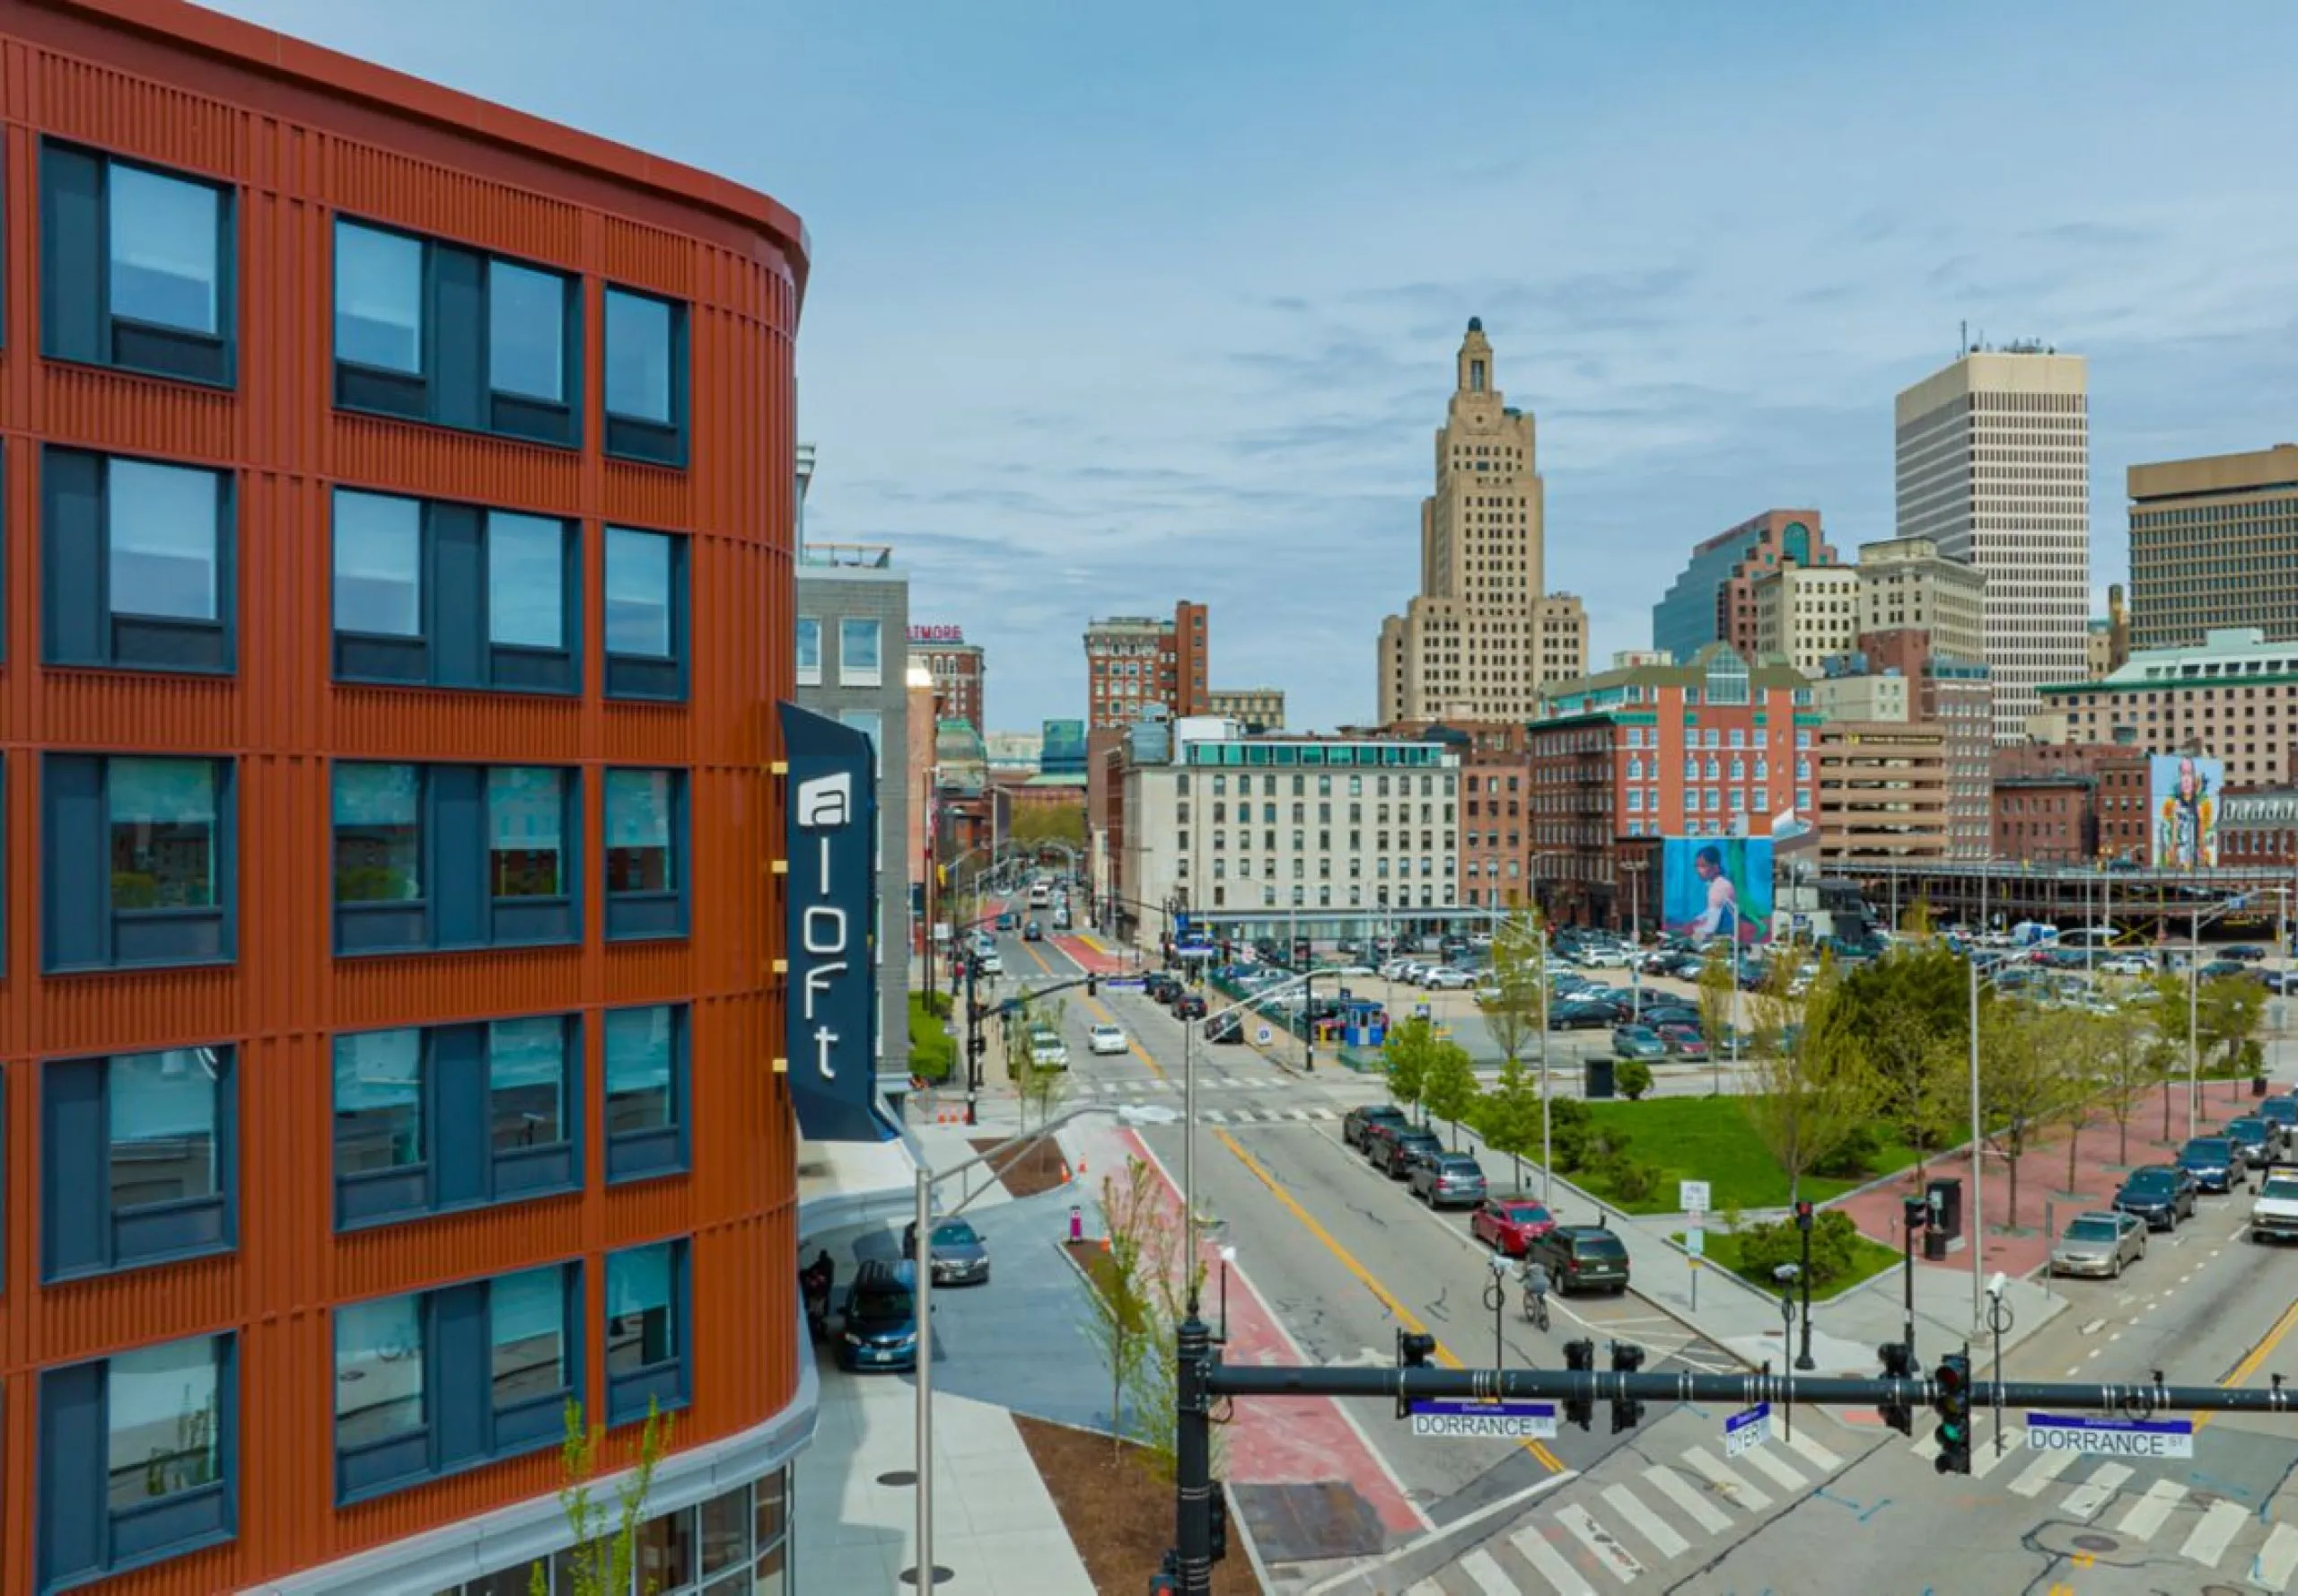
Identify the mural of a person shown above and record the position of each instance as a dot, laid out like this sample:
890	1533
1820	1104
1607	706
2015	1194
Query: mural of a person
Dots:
1721	916
2185	835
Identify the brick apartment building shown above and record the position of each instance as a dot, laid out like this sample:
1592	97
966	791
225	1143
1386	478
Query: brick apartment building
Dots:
2112	779
1137	664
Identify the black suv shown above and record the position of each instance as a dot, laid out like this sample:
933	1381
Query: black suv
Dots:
1582	1257
2216	1164
1358	1121
881	1328
1394	1151
1187	1005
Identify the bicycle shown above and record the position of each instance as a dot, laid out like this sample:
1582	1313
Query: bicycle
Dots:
1535	1309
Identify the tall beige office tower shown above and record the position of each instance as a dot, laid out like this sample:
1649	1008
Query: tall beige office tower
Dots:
1993	467
1481	635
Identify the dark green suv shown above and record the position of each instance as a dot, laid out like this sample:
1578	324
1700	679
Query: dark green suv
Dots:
1582	1257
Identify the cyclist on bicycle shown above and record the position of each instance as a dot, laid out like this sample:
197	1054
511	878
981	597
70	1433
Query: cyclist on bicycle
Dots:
1534	1278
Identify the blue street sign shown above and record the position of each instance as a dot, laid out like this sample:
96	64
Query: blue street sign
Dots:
1484	1421
2114	1437
1746	1431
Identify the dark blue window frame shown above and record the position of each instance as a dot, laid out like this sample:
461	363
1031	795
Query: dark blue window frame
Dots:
454	385
656	440
635	911
452	645
79	622
451	905
464	1422
84	1229
662	1380
77	320
79	1536
460	1163
658	678
81	927
643	1150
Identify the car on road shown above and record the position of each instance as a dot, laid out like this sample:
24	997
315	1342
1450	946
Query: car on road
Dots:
1161	986
959	1255
1005	920
2216	1164
2160	1194
2218	969
1684	1042
1509	1224
2254	1138
1359	1121
2246	953
1107	1038
1582	1257
880	1326
1445	979
1394	1151
1033	932
1638	1042
2274	1217
2100	1243
988	963
2281	1111
1047	1051
1188	1006
1580	1016
1446	1180
1225	1028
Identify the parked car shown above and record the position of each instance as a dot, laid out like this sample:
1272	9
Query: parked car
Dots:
1582	1257
1446	1180
1188	1006
1602	956
1225	1028
1684	1042
2274	1217
2281	1111
1358	1122
1638	1042
2125	964
1394	1151
1445	979
2100	1243
2254	1138
1579	1016
2161	1194
1660	1015
2246	953
1107	1038
959	1255
2216	1165
2219	968
1509	1224
880	1326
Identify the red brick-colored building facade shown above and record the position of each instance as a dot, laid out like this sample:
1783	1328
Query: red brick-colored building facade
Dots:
1135	663
398	576
2115	824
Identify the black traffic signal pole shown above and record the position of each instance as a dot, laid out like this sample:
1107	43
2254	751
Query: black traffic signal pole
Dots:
1204	1378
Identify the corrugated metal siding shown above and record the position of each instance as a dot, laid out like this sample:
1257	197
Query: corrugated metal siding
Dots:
295	160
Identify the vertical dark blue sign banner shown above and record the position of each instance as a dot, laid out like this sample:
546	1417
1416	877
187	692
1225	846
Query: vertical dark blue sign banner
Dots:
830	834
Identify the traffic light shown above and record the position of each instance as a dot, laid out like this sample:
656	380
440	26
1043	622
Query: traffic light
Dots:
1953	1405
1626	1412
1580	1357
1219	1538
1899	1364
1803	1215
1092	983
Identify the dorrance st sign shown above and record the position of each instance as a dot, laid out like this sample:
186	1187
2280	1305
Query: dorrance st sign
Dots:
830	837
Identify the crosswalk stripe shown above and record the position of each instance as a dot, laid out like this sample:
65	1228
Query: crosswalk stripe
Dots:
1489	1576
1298	1114
2039	1473
2212	1536
1427	1587
1616	1558
1816	1454
2278	1559
1924	1446
1741	1492
1767	1459
1690	1502
2148	1512
1645	1522
1213	1116
1550	1564
1986	1459
2095	1491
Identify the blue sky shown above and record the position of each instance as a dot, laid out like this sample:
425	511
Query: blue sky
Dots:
1115	305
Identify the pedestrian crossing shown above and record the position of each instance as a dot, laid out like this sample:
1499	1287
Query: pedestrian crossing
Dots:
1614	1536
1155	1086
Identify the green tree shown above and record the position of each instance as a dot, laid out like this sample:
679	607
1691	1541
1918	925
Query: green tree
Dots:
2021	1081
1449	1087
1814	1091
1514	1017
1634	1079
604	1554
1038	823
1511	1115
1123	1301
2123	1060
2228	1010
1719	998
1406	1058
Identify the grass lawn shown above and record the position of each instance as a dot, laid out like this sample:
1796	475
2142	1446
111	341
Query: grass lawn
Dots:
1868	1259
1709	1138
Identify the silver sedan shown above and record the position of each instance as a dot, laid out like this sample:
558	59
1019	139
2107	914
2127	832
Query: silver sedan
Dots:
2099	1243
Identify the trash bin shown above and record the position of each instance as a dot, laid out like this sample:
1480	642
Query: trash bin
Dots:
1934	1245
1946	1195
1596	1080
2258	1085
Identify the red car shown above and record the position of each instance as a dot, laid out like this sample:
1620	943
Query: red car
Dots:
1684	1042
1508	1225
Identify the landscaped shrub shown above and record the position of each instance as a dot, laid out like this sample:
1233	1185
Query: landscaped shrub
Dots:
1763	1248
1634	1079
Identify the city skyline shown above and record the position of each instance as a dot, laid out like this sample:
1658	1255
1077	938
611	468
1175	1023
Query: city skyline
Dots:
1709	307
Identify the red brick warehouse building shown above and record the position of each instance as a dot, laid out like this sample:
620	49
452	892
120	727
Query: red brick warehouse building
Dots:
398	574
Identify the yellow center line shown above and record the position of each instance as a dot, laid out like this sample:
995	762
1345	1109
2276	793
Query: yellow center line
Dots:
2256	1357
1095	1005
1387	1299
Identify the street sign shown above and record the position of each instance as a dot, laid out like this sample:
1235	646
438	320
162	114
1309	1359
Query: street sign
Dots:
1691	1196
1485	1421
1263	1036
2111	1437
1421	1011
1696	1242
1744	1432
